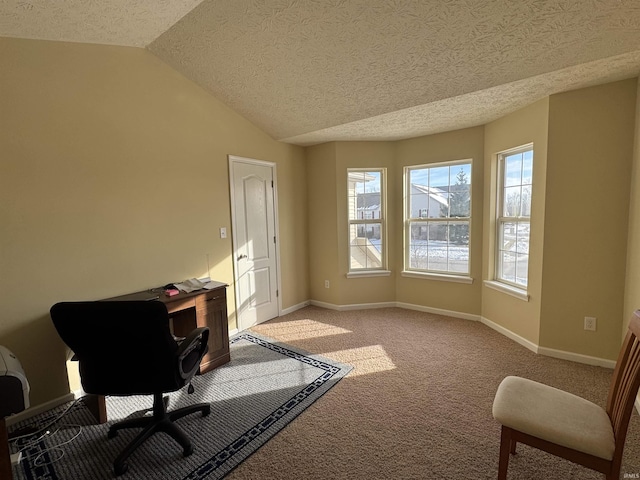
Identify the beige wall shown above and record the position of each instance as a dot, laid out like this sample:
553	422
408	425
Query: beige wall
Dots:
354	291
586	223
450	146
632	280
527	125
323	222
114	179
327	166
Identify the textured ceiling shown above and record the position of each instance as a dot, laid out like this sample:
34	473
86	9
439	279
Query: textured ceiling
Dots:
311	71
134	23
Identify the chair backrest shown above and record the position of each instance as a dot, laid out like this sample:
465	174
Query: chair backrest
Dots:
124	347
625	384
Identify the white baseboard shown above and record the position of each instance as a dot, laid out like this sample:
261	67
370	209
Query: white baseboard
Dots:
295	307
353	306
329	306
577	357
407	306
509	334
549	352
439	311
37	409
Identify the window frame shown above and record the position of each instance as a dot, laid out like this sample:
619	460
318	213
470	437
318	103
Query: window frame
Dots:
446	275
383	268
501	219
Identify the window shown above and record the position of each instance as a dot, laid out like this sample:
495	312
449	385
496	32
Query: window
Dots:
437	218
367	228
515	169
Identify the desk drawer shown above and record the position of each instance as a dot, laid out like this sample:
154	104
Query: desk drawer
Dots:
214	297
178	305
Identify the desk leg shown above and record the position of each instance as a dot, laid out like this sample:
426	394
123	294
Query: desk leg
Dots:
5	453
97	405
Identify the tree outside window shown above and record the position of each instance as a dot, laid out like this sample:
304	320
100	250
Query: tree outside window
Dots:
438	217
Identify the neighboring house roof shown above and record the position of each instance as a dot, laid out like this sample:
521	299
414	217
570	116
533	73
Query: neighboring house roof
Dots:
369	200
433	192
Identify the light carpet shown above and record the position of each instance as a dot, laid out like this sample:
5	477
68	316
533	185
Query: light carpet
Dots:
264	387
418	403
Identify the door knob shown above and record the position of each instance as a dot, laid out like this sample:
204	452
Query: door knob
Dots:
240	257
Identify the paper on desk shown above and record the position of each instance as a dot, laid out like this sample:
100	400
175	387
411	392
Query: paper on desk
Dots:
190	285
207	284
194	284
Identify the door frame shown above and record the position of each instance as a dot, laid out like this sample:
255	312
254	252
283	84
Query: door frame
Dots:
234	242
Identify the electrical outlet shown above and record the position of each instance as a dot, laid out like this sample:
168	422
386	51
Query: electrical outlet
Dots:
590	323
326	284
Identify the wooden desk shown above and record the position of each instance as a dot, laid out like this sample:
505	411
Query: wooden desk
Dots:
202	308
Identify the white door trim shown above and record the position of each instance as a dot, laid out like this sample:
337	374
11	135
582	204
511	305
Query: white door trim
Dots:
237	159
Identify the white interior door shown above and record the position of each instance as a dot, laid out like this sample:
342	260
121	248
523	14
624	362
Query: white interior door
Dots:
254	240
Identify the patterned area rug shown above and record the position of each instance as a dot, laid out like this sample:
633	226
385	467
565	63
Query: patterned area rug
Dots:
264	387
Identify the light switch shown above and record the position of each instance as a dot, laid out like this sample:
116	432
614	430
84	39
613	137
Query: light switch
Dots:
223	232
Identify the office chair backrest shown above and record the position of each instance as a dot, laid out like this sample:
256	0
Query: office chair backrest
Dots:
625	384
124	347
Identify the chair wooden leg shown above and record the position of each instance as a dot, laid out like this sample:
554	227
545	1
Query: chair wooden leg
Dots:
614	474
513	446
506	444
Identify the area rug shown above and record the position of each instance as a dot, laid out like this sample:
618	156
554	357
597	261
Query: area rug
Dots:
263	388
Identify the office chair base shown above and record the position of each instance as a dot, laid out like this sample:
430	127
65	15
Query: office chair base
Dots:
161	421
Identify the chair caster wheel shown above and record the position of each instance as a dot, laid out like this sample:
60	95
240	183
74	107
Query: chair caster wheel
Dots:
206	411
120	469
187	451
112	433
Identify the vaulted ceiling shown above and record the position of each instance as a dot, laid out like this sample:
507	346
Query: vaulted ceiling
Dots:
311	71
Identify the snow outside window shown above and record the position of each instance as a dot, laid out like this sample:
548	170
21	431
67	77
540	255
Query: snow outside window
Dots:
438	218
515	174
366	215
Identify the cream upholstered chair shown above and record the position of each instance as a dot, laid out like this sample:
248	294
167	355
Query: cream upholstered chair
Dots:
569	426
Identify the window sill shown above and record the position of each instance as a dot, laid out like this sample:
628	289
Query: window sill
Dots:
438	276
369	273
508	289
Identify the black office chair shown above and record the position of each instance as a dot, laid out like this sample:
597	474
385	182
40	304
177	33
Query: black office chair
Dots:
126	348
